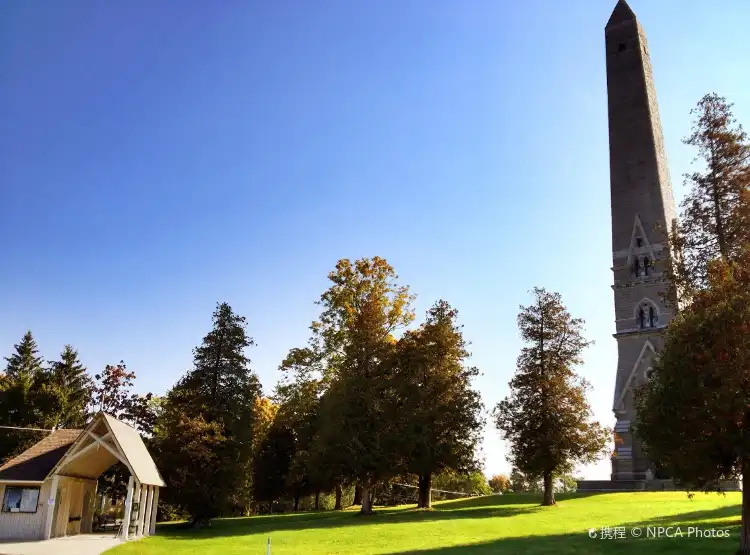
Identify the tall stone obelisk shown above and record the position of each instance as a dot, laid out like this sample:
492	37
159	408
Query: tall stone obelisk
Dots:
641	198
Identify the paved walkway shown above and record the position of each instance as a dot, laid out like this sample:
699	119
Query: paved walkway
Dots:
83	544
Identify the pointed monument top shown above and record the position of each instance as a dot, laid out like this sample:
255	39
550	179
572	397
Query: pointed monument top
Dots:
621	13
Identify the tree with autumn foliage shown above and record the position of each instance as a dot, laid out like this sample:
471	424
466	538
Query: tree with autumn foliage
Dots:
694	412
354	341
499	483
113	393
265	415
715	217
547	419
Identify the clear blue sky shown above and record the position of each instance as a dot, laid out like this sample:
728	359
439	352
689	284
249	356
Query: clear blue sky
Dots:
156	158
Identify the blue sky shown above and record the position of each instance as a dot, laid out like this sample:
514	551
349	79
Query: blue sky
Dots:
156	158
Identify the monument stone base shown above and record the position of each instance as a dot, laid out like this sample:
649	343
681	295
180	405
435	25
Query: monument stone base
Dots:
612	486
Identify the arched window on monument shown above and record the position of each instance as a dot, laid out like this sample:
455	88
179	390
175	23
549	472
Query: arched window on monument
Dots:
647	316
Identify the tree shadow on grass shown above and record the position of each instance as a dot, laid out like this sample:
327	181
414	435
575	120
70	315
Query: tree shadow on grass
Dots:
510	499
654	542
697	517
504	506
479	508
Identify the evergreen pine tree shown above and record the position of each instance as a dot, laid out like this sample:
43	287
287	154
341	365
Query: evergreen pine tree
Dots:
546	418
23	369
75	388
24	364
218	395
715	220
439	421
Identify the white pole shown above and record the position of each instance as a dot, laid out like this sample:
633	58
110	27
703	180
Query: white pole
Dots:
128	509
141	510
48	523
149	508
268	551
155	508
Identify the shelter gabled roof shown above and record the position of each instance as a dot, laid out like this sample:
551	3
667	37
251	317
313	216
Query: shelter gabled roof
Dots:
85	454
34	464
132	446
105	441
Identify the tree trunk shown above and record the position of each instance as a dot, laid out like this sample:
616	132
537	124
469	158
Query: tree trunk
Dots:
366	501
357	495
296	501
549	492
337	507
745	527
718	220
201	522
425	491
317	500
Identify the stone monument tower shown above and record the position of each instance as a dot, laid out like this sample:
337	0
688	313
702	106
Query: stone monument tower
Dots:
641	199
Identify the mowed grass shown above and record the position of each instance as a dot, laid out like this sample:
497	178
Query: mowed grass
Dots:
513	523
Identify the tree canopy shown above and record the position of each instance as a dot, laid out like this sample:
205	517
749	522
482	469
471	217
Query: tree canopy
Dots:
715	218
694	411
546	419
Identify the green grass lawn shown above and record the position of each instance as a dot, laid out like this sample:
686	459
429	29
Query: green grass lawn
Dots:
512	523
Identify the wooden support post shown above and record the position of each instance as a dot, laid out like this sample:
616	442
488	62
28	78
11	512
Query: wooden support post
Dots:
141	510
128	509
152	531
50	503
147	515
90	523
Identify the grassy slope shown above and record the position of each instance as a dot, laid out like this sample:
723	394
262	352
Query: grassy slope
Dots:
499	524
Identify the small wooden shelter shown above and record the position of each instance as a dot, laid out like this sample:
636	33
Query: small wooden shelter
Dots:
49	490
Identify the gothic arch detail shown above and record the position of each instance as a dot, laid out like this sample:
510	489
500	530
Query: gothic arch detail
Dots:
639	240
647	346
646	314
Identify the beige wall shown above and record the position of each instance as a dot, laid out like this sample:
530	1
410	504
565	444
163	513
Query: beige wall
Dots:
72	492
25	526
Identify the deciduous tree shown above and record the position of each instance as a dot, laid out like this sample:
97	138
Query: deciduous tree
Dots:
362	309
520	482
113	394
499	483
265	415
197	460
546	419
694	412
299	406
272	464
474	482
